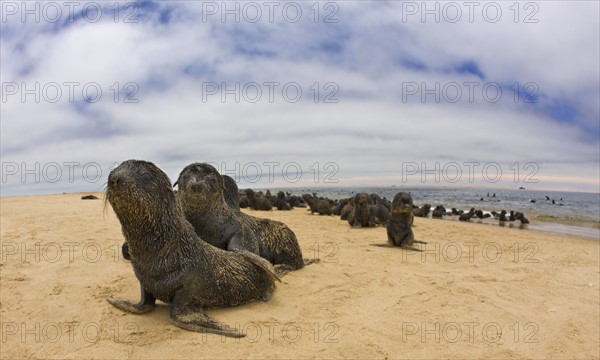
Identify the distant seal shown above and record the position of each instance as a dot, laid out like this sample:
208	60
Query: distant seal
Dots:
399	227
347	210
520	216
438	212
318	205
379	213
281	203
89	197
457	212
201	198
423	211
467	216
258	202
361	214
502	216
171	262
337	209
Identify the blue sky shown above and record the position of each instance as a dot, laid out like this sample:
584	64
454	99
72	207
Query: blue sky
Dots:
362	89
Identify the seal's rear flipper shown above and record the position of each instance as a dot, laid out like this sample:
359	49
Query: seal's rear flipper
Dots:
145	305
261	263
199	321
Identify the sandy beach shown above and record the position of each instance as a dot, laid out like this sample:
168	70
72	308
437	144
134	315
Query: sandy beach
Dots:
478	291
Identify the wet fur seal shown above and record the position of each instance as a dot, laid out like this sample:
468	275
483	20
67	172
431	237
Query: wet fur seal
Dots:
399	227
423	211
201	198
171	262
361	214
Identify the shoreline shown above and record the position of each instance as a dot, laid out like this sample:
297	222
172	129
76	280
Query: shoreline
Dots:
561	226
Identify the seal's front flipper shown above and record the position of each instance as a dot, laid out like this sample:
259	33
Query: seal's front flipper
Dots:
125	251
419	242
145	305
192	318
261	263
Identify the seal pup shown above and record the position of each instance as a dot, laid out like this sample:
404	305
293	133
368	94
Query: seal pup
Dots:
201	198
361	214
231	192
399	227
171	262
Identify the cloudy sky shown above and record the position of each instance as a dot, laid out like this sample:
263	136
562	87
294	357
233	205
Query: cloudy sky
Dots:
345	93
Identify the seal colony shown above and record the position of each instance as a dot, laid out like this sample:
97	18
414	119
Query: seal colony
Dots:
193	248
171	262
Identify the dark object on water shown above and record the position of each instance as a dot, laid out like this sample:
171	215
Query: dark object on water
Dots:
89	197
532	201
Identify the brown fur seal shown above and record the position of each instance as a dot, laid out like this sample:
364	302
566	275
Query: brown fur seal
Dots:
423	211
171	262
281	202
257	201
347	210
361	214
231	192
318	205
399	227
201	197
467	216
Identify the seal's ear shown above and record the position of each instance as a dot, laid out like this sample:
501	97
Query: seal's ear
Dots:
175	183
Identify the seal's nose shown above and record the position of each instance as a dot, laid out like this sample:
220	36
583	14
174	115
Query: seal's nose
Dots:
115	179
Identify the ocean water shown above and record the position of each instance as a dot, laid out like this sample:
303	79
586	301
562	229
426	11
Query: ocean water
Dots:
573	212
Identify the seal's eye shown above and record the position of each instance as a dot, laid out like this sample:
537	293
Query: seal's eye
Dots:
146	177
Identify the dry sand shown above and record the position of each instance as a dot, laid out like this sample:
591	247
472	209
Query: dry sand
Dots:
481	292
